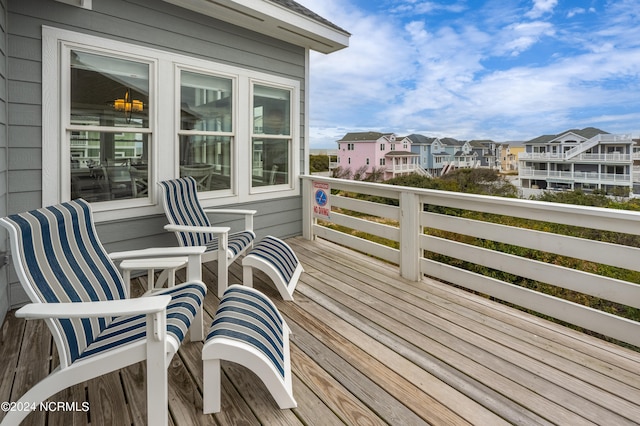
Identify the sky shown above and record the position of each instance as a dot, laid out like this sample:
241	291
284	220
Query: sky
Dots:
505	70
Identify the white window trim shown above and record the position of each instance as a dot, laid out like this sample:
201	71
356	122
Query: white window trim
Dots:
292	151
163	124
233	191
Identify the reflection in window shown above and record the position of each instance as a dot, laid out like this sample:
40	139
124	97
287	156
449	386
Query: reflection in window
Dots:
208	160
270	162
108	127
206	126
271	140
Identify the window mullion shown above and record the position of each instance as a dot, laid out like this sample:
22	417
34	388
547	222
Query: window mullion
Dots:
82	128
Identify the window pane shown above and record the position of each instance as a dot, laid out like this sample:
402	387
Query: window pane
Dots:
270	162
271	111
108	91
207	159
108	166
205	102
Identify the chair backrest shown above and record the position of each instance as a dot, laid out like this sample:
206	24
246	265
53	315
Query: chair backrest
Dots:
181	205
59	258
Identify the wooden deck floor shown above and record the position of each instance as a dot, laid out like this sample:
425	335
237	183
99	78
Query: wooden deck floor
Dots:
369	348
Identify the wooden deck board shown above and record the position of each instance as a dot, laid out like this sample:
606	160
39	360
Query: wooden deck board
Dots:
11	336
583	399
368	347
469	343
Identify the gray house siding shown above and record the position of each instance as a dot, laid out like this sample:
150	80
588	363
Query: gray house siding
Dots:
4	271
150	23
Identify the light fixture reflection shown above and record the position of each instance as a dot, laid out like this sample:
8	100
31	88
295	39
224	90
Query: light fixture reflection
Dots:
128	105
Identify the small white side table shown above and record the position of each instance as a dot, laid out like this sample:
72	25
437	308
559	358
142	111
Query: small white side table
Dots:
169	264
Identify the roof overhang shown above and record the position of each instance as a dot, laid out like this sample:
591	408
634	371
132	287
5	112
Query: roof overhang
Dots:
273	20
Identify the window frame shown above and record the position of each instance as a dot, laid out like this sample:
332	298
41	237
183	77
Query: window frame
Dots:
290	145
164	123
178	69
67	128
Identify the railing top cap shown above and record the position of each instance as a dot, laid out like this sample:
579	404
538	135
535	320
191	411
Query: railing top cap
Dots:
394	191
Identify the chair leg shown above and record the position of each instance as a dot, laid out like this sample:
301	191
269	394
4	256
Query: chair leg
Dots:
126	277
223	272
211	386
151	278
196	330
247	276
157	374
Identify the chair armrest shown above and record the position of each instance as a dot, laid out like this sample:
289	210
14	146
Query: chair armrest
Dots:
231	211
248	215
154	263
198	229
157	252
109	308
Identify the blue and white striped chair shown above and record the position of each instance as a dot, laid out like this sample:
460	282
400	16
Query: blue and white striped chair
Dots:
76	288
248	329
189	221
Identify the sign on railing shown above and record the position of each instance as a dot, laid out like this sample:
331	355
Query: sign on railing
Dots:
321	202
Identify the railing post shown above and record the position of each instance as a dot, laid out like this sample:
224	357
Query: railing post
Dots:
410	236
307	210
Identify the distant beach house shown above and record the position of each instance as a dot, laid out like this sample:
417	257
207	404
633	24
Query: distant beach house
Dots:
422	146
441	155
509	152
586	159
443	151
487	153
364	153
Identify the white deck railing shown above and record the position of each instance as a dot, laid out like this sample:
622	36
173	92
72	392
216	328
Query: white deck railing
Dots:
594	177
411	219
614	158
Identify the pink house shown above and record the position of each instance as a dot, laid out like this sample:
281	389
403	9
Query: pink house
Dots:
362	153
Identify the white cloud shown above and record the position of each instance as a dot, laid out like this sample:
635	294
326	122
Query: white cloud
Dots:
541	7
432	76
521	36
575	11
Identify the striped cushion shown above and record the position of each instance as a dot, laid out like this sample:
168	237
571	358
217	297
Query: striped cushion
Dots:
249	317
238	242
279	254
183	208
65	262
186	299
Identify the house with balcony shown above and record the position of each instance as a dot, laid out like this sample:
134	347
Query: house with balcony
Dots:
422	145
487	152
443	152
363	153
578	159
509	153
